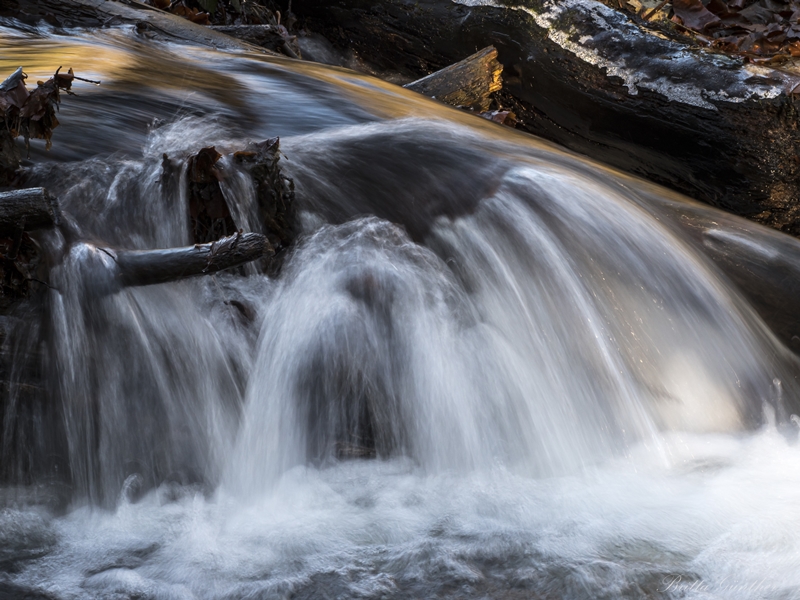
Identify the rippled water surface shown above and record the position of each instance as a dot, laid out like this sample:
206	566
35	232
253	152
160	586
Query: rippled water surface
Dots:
486	369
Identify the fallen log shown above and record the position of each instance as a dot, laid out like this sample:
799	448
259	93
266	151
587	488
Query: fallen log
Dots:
148	267
272	37
11	89
586	76
21	267
27	210
468	83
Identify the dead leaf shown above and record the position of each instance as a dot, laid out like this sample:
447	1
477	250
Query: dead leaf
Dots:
13	90
693	14
192	14
64	80
720	8
755	13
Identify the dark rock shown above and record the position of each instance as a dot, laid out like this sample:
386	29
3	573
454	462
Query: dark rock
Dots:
585	76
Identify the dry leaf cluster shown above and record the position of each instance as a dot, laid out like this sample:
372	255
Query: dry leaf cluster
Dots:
32	114
764	31
759	31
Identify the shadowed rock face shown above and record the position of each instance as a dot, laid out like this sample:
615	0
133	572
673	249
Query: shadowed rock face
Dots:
409	176
585	76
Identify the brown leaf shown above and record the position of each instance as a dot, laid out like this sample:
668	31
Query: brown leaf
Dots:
720	8
756	28
192	14
693	14
64	80
765	47
44	97
728	44
784	9
755	13
33	114
748	42
13	90
774	30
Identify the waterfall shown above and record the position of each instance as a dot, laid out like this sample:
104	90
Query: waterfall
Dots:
485	367
548	328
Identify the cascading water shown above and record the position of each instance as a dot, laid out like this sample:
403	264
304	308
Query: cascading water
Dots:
486	368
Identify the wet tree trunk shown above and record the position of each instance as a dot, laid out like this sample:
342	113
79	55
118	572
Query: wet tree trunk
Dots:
148	267
587	77
468	83
26	210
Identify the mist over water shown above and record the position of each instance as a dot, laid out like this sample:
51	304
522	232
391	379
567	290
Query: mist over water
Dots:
486	369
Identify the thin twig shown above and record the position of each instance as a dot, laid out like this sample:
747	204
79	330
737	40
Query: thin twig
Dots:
87	80
44	283
653	11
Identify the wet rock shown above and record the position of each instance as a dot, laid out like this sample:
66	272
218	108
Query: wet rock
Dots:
12	591
24	536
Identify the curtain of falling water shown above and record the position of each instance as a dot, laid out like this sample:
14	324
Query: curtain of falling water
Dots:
548	330
554	381
150	379
550	327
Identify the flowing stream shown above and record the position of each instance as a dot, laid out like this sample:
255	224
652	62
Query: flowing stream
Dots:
561	393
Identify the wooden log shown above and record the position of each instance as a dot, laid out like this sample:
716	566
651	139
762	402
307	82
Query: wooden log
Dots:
585	76
148	267
468	83
26	210
10	90
272	37
9	157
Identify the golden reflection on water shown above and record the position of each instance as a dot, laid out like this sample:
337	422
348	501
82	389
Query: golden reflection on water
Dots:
125	62
119	61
